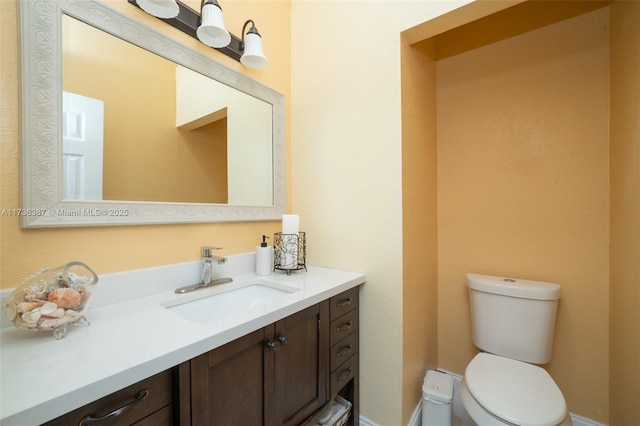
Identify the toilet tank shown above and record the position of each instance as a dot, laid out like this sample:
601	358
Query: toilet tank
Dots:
512	317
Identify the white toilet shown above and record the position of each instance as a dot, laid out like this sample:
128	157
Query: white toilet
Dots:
512	320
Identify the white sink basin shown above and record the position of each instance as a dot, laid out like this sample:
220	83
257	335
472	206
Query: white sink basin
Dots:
215	304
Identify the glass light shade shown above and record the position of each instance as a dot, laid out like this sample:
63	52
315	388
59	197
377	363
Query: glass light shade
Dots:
211	30
253	56
160	8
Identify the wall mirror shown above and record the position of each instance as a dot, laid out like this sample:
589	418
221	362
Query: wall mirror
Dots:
121	125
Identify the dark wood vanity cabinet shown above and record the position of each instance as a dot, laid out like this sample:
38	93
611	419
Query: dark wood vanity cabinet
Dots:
274	376
281	374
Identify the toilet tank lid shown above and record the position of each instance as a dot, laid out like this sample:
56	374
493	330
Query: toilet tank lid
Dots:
514	287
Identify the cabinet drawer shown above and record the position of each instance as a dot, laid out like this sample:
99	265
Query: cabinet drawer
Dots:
164	416
343	374
160	394
343	303
343	326
344	349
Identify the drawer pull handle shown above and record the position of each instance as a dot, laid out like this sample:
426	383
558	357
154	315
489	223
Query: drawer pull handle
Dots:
345	375
273	346
346	326
344	302
345	350
283	340
89	420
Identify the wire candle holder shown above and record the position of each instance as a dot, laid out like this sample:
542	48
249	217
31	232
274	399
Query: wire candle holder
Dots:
289	252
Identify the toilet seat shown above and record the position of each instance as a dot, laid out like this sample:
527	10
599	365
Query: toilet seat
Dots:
514	391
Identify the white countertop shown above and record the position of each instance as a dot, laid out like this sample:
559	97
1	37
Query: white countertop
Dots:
132	339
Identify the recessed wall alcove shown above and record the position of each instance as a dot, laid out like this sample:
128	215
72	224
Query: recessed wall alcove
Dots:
517	117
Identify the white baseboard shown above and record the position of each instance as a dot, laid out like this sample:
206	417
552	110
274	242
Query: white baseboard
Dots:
583	421
366	422
416	417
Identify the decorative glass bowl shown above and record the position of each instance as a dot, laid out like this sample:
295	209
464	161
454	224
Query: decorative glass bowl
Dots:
52	300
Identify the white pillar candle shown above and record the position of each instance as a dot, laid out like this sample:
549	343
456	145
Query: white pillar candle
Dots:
290	224
290	229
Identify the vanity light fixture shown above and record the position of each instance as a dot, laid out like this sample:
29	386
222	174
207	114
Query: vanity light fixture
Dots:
211	30
208	27
251	47
160	8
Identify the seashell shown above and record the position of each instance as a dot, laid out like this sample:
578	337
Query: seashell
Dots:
78	280
65	298
29	306
71	314
59	312
35	297
39	288
48	308
31	317
10	311
48	323
56	322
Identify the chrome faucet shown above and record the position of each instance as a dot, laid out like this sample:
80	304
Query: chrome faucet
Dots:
207	259
206	262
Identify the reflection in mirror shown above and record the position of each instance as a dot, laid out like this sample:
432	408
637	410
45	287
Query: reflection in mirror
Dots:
137	127
220	154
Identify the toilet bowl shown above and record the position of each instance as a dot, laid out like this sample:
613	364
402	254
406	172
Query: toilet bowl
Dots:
502	391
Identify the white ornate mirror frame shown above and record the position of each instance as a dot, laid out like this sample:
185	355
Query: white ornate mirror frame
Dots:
41	97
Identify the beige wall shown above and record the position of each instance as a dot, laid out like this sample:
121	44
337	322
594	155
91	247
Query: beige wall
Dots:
419	222
347	174
625	214
110	249
523	190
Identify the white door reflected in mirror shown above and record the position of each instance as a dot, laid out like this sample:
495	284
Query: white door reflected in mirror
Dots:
82	135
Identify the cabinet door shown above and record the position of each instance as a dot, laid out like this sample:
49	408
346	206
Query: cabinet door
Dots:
229	384
301	364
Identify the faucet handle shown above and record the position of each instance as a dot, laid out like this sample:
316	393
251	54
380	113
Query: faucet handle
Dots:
208	251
